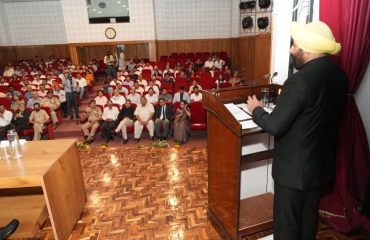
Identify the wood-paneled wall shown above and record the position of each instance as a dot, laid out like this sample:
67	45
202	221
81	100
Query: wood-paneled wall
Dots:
13	53
254	57
85	53
166	47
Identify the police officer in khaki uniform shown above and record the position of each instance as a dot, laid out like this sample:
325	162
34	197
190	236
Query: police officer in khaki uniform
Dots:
53	103
94	114
38	118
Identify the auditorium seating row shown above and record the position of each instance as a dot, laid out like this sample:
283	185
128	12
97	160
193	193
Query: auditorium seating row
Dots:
198	119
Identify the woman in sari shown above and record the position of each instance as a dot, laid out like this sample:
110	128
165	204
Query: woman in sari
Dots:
181	123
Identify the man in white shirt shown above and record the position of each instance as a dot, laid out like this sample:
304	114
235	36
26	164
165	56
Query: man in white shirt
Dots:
151	96
2	82
144	114
209	63
5	120
62	98
83	84
118	98
168	70
142	81
37	80
148	66
181	95
138	88
114	82
109	117
121	89
154	87
134	97
195	84
196	96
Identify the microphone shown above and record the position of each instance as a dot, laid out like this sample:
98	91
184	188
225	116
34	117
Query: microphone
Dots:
267	76
273	75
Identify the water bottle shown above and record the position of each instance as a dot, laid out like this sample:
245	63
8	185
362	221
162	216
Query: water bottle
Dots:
15	146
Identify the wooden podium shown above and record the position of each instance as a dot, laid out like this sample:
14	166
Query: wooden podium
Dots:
229	156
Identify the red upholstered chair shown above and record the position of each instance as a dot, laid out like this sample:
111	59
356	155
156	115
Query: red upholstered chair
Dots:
163	58
5	101
146	73
167	86
4	89
178	85
176	105
198	119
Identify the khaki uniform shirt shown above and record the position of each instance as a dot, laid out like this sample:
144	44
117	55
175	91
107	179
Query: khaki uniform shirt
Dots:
93	114
53	103
40	116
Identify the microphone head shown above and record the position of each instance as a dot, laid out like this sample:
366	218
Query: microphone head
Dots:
274	74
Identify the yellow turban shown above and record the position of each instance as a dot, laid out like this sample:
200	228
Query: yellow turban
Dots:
314	37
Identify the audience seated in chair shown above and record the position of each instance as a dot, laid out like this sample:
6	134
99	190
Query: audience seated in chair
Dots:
117	98
53	103
154	87
5	120
134	97
196	96
16	102
101	99
163	116
181	123
144	113
11	92
125	119
138	88
235	80
39	117
181	95
195	84
107	89
151	96
142	81
94	114
20	121
122	89
2	82
166	96
34	99
109	118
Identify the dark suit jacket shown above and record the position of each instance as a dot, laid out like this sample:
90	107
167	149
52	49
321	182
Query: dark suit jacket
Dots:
158	112
304	124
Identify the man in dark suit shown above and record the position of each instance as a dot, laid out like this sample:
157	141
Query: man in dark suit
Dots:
304	124
163	115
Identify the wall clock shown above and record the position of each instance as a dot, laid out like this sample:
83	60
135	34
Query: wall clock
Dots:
110	33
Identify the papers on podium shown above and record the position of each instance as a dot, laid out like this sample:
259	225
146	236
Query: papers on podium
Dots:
243	115
239	114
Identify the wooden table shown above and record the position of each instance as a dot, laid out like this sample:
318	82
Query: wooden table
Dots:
46	181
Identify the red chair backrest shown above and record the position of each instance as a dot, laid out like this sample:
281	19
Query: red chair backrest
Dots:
5	101
198	113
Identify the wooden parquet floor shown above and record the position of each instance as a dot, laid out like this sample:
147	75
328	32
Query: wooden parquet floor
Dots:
150	193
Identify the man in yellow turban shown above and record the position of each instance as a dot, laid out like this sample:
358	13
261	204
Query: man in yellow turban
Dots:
304	126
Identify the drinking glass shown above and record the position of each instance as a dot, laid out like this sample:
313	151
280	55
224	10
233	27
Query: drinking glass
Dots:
265	96
5	152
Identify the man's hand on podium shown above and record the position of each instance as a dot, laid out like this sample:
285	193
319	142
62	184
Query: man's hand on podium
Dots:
253	102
